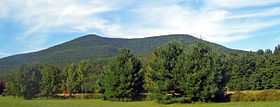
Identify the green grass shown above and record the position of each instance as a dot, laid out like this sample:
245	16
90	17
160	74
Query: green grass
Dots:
18	102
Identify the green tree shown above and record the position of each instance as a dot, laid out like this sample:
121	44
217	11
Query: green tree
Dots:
178	75
205	74
123	78
24	82
31	81
261	79
276	68
161	73
268	52
243	67
14	84
71	83
260	52
84	69
51	80
277	49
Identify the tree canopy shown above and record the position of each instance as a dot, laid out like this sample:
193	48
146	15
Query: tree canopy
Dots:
172	73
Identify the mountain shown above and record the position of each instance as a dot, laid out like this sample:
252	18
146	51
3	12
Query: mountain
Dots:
97	48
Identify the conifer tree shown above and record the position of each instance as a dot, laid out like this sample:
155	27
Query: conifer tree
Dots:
205	74
161	76
123	78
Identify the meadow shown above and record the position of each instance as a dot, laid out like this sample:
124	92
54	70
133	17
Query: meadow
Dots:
19	102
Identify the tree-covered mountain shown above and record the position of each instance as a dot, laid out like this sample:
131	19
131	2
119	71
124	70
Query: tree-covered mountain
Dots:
97	48
171	68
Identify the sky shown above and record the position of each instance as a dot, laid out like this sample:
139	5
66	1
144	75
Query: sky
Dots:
32	25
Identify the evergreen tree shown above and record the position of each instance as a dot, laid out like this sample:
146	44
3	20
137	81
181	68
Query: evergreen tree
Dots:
243	66
277	49
177	75
268	52
205	74
31	81
161	76
276	68
123	79
261	79
276	80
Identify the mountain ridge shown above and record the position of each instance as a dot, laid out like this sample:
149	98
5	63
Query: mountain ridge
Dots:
92	46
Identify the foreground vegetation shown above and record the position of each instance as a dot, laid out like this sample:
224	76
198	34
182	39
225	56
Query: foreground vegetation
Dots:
173	73
18	102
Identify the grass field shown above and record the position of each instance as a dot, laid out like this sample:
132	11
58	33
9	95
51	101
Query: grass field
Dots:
18	102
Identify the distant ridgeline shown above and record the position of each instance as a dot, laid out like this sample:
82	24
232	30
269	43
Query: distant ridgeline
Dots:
96	48
168	69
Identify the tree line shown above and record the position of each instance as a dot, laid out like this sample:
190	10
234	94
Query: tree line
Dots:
172	73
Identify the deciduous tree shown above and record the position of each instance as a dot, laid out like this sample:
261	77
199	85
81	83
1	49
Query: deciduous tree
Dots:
51	80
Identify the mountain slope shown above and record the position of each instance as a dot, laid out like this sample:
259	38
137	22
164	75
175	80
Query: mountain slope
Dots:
97	48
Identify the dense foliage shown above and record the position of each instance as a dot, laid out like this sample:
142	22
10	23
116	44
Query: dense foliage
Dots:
174	72
51	80
162	75
123	79
25	82
46	80
186	75
255	71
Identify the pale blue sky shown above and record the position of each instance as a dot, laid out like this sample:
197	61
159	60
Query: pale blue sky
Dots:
32	25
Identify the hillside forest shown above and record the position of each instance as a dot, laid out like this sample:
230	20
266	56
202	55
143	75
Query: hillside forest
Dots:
172	73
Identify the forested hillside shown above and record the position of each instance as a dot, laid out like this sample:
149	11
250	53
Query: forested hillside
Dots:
168	69
96	48
173	72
